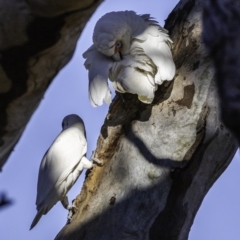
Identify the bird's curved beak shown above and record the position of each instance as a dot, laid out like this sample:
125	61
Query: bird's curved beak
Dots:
117	56
120	55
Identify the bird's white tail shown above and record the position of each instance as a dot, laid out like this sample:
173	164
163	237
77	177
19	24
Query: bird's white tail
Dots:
37	218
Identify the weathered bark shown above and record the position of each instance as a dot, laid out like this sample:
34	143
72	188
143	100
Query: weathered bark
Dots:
221	20
160	160
37	38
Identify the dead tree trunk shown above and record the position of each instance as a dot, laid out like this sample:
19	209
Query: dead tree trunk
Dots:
160	160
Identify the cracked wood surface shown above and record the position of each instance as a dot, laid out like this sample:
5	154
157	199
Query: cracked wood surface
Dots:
160	160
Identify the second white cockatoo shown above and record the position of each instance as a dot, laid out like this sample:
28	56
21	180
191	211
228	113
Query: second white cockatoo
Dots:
133	51
61	166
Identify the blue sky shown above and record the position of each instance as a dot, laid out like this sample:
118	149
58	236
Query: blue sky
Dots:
219	215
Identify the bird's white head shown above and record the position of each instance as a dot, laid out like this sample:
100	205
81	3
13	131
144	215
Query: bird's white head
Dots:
72	119
113	32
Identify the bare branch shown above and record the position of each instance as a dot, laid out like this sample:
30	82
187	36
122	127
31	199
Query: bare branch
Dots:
221	35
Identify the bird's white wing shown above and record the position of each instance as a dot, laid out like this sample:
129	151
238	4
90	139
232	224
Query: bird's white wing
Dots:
156	43
135	74
98	67
139	84
59	161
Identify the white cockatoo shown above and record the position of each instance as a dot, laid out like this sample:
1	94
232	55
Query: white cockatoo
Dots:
61	166
133	51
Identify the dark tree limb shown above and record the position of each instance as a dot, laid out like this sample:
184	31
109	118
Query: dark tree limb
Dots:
38	38
221	35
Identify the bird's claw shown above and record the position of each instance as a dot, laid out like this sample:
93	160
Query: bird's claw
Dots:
71	211
69	216
74	206
99	162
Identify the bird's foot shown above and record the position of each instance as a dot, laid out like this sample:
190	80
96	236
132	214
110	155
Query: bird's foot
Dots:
96	160
71	211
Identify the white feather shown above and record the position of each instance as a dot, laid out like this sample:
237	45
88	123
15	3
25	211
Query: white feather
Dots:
134	75
155	43
146	56
98	66
61	165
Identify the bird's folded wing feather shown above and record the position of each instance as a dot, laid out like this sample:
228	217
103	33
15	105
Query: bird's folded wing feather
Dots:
135	74
61	158
98	66
156	43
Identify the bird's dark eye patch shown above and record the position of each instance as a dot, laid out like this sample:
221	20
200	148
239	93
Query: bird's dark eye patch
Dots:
118	44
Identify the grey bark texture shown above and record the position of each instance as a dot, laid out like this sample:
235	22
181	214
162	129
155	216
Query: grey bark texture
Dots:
160	160
37	39
221	35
